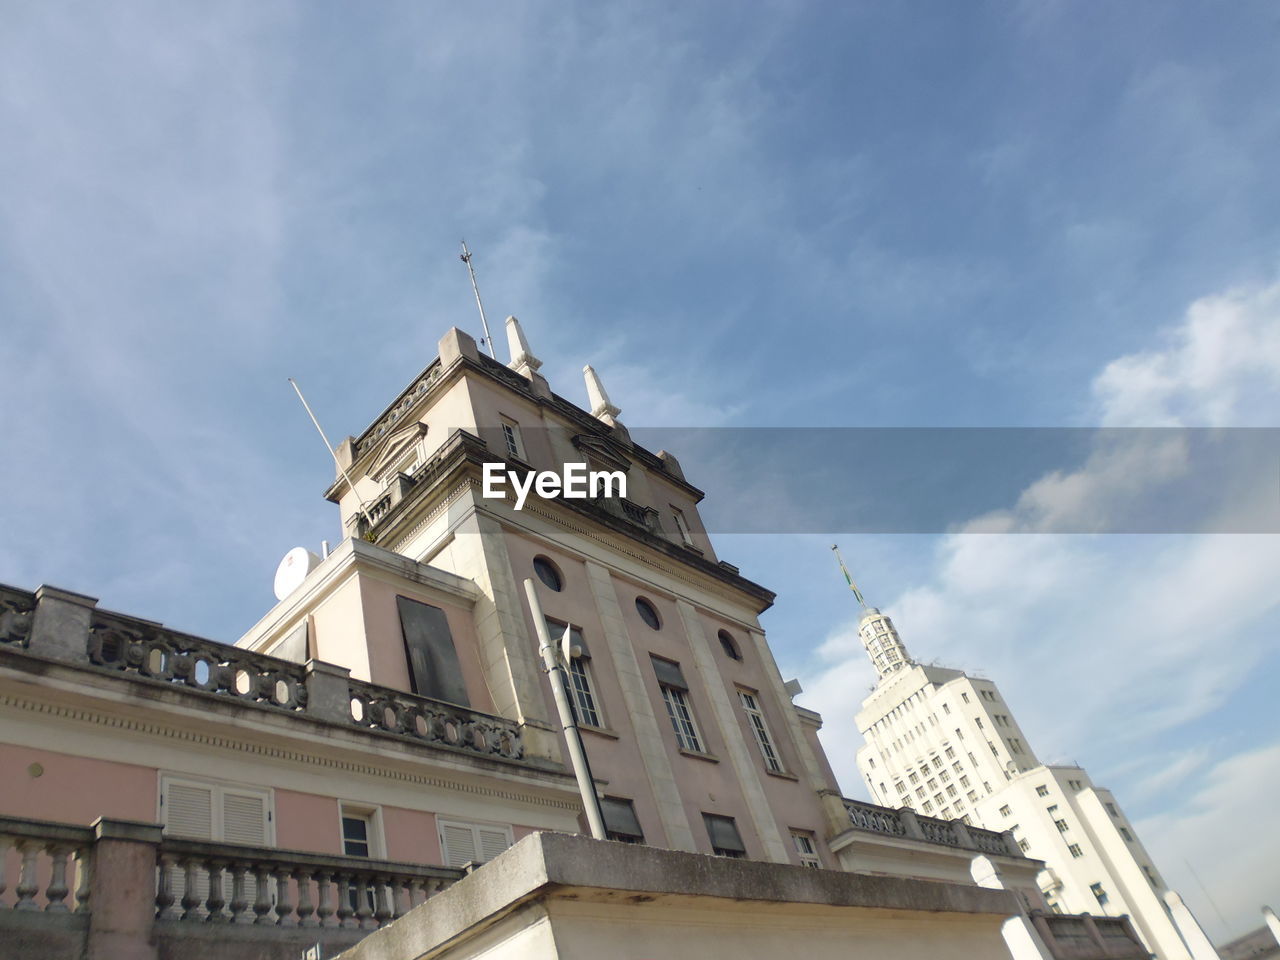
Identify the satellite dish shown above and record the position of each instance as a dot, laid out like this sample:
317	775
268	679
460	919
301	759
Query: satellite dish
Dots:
293	569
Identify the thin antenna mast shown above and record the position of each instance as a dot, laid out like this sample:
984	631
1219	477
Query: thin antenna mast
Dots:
364	510
466	258
845	570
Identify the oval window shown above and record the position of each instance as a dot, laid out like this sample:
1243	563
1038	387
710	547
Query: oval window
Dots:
548	573
647	613
730	645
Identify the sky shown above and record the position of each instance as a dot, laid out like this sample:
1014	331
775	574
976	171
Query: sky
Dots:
1015	214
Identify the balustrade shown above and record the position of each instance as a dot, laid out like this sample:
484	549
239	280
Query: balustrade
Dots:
434	721
885	820
230	883
150	650
52	866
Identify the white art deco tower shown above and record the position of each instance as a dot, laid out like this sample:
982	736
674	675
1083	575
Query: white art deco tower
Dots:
947	745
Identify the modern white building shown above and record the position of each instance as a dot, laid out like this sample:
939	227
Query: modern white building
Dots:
946	744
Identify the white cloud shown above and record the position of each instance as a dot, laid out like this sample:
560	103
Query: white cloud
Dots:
1221	836
1106	645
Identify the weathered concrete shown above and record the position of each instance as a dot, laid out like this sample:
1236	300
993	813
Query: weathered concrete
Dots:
601	898
123	890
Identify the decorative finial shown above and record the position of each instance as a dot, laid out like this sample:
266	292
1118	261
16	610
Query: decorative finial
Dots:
522	359
601	408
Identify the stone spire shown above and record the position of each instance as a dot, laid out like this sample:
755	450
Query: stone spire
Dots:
601	408
523	361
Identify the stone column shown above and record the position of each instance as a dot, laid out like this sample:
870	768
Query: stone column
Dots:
1020	935
60	627
123	890
1193	936
645	722
747	766
328	693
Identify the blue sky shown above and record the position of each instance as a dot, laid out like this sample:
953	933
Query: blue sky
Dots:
933	214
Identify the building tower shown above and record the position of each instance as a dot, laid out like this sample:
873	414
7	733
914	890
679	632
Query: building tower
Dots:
945	743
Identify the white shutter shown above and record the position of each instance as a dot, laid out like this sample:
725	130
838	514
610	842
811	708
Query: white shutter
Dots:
188	810
244	818
457	843
493	840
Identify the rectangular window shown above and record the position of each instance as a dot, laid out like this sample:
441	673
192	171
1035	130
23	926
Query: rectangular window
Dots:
900	787
951	753
674	694
1075	785
463	842
978	721
434	670
937	763
1150	875
1042	791
724	836
1052	809
1024	845
755	718
358	833
946	708
973	796
1111	809
620	821
216	811
928	807
581	695
913	777
1126	834
1099	894
951	790
511	439
1061	825
682	526
1075	850
932	784
806	849
964	697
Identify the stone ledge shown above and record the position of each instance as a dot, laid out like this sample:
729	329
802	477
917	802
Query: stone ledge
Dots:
579	868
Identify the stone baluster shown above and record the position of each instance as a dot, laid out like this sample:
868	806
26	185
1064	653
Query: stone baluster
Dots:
190	883
165	898
217	893
305	908
417	893
326	909
284	907
57	890
262	900
346	915
401	898
364	913
383	909
27	888
240	912
84	873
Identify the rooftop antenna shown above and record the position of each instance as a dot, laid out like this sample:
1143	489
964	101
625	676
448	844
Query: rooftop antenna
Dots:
845	570
364	510
466	258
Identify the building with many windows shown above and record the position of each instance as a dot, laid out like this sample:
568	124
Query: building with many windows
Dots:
946	744
387	729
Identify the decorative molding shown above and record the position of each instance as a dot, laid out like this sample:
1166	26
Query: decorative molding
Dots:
276	753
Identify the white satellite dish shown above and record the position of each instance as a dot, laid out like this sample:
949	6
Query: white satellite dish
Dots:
293	569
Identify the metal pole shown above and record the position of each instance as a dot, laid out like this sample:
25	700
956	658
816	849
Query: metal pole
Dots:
573	738
466	258
333	453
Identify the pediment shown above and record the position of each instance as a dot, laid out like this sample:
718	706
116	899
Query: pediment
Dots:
393	448
602	452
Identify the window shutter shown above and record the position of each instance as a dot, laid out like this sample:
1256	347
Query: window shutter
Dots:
458	843
244	818
492	842
669	674
188	811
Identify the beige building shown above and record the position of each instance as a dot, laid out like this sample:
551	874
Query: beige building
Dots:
386	735
946	744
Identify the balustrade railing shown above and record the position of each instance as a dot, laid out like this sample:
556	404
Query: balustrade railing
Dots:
153	651
869	816
17	607
204	882
52	866
434	721
906	823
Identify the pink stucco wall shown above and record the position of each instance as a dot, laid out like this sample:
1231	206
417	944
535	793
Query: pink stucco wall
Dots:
74	789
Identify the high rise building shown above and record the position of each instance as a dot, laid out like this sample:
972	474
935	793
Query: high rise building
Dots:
945	743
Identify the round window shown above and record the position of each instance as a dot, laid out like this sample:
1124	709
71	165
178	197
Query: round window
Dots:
730	645
647	613
548	573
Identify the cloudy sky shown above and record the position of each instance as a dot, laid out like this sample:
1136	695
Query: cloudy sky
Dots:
1030	214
